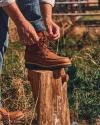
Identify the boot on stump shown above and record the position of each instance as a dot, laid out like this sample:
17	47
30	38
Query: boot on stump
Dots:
38	56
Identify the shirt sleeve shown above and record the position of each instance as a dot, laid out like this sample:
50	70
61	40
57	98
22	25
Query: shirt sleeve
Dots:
52	2
6	2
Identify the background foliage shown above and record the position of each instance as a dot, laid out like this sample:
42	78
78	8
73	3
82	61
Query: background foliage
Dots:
84	83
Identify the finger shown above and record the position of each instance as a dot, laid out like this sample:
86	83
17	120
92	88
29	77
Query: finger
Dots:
57	31
50	30
27	40
34	37
56	34
31	41
54	38
57	37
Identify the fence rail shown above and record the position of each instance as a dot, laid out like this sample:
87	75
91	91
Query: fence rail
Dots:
76	14
96	5
77	2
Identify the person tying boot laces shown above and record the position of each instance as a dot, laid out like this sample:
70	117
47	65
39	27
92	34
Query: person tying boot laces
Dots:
37	54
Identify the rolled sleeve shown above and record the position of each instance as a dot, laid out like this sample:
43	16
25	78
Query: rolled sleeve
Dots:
6	2
52	2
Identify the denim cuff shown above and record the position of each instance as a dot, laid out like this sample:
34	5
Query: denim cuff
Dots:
38	25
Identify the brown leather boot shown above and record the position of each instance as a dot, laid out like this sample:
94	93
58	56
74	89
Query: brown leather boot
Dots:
40	57
12	116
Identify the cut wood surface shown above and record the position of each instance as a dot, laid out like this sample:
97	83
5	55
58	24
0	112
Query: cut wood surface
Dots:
50	87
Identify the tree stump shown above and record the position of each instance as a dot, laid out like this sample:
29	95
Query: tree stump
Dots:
50	89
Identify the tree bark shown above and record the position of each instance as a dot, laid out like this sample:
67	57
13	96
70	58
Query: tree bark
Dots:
50	91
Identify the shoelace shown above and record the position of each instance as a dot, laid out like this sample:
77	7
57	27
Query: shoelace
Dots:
44	44
43	41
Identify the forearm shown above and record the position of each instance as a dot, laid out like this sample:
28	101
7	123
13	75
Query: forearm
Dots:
46	11
52	28
13	11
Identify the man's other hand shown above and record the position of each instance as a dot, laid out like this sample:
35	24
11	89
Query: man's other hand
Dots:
27	33
53	29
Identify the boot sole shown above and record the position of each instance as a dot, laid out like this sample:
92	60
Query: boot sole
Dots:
40	67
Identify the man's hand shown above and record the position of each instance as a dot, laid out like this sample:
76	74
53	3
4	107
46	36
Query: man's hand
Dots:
53	29
26	31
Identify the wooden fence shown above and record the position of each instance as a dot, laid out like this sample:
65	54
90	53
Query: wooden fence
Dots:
82	9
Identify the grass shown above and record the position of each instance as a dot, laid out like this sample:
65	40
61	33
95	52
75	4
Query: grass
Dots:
16	90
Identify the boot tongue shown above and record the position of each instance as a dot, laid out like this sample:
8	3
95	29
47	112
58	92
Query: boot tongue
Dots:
43	50
43	39
43	44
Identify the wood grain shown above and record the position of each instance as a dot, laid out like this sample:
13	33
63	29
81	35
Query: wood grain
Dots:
50	87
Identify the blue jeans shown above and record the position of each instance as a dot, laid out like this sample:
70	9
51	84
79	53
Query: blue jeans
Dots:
31	10
3	39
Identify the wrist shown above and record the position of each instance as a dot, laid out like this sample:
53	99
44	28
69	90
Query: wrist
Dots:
47	12
19	21
48	20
